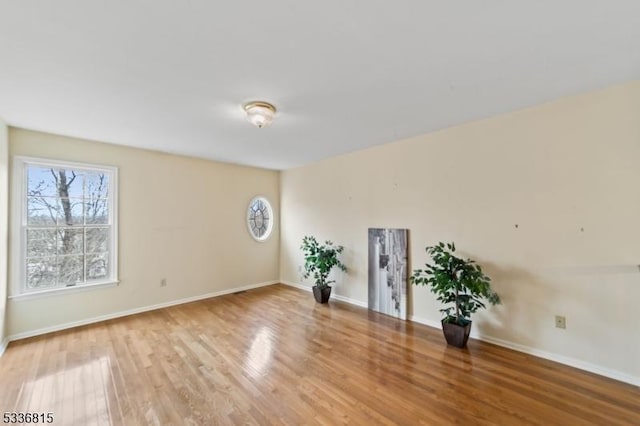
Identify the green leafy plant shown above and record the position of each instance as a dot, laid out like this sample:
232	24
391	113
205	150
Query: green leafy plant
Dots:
320	259
456	281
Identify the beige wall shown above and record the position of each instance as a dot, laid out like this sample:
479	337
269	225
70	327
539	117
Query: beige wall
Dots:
4	210
180	218
566	173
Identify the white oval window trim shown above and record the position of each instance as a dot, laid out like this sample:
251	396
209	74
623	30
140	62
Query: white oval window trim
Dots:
260	218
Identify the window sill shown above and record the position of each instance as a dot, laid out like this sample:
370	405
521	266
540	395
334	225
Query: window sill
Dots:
62	290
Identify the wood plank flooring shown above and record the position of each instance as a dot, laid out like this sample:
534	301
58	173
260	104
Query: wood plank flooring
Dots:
274	356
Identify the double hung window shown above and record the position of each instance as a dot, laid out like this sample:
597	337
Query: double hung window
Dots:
65	225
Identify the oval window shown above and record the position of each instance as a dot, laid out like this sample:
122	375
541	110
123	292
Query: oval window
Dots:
260	218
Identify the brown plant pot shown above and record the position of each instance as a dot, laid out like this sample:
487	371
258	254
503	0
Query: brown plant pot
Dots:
321	295
456	335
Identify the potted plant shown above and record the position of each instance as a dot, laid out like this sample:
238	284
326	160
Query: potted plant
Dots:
319	260
456	281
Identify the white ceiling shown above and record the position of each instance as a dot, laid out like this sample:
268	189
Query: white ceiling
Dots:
172	75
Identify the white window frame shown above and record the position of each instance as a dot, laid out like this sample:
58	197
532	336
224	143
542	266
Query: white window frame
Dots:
269	230
19	226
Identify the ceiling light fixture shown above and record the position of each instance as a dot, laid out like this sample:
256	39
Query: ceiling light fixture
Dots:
259	113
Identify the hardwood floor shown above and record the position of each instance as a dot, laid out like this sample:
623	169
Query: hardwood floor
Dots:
274	356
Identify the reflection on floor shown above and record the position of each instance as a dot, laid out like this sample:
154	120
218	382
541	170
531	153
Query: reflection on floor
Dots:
274	356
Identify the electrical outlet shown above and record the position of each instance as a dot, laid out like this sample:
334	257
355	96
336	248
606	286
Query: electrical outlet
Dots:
561	322
163	282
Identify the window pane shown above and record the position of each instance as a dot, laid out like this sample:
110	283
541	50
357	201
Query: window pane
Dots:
96	185
41	182
41	242
71	270
97	240
97	266
42	272
51	181
42	211
259	218
70	241
97	211
59	248
70	183
71	212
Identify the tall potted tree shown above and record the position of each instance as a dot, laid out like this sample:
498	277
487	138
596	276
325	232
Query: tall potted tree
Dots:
319	260
461	284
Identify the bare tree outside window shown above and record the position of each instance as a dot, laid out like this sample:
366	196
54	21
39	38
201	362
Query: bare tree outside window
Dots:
68	227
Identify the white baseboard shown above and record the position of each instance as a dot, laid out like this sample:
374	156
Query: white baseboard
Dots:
333	295
296	285
561	359
572	362
3	345
430	323
351	301
119	314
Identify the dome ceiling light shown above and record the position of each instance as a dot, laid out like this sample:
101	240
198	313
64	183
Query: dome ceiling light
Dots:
259	113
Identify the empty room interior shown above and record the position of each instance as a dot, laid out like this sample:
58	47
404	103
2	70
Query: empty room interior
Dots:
338	212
